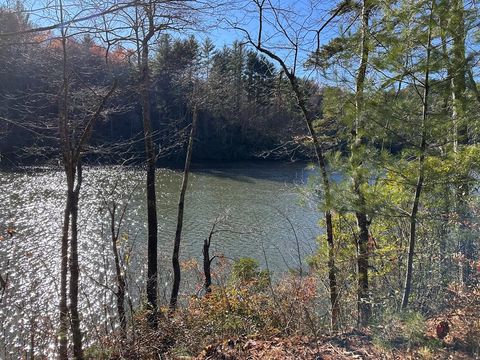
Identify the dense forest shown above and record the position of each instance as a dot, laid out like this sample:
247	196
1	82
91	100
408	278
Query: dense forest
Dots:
245	111
378	99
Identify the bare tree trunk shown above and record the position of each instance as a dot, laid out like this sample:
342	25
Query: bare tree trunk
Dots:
73	170
458	67
443	23
332	273
207	260
443	261
207	265
363	296
121	285
458	87
421	170
321	161
69	170
152	272
71	147
413	224
358	179
74	269
181	204
63	327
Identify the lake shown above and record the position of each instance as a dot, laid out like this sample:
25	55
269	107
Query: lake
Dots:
265	214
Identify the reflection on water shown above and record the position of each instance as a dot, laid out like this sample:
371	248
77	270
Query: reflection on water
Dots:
262	200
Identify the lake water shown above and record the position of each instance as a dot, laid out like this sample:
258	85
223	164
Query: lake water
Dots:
265	202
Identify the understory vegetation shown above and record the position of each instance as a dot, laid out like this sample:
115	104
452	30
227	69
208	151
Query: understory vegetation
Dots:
251	317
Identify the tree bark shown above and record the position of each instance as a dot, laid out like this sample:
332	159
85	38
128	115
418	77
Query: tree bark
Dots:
71	148
458	71
207	265
413	225
459	86
63	327
332	275
71	155
152	272
321	161
121	285
181	205
358	179
74	269
363	296
332	272
207	260
69	171
421	170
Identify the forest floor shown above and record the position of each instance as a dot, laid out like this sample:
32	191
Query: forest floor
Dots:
353	344
461	342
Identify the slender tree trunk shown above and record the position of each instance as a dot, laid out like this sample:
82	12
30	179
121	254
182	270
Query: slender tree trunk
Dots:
444	263
332	272
74	269
443	22
421	170
69	171
63	329
207	260
152	272
413	227
71	150
332	276
458	73
120	293
459	86
335	307
358	179
207	265
363	296
447	102
181	205
458	67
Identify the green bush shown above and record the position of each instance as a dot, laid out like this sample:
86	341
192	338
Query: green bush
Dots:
400	329
414	328
247	270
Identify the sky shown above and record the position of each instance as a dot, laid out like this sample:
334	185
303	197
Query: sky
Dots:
285	22
297	18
